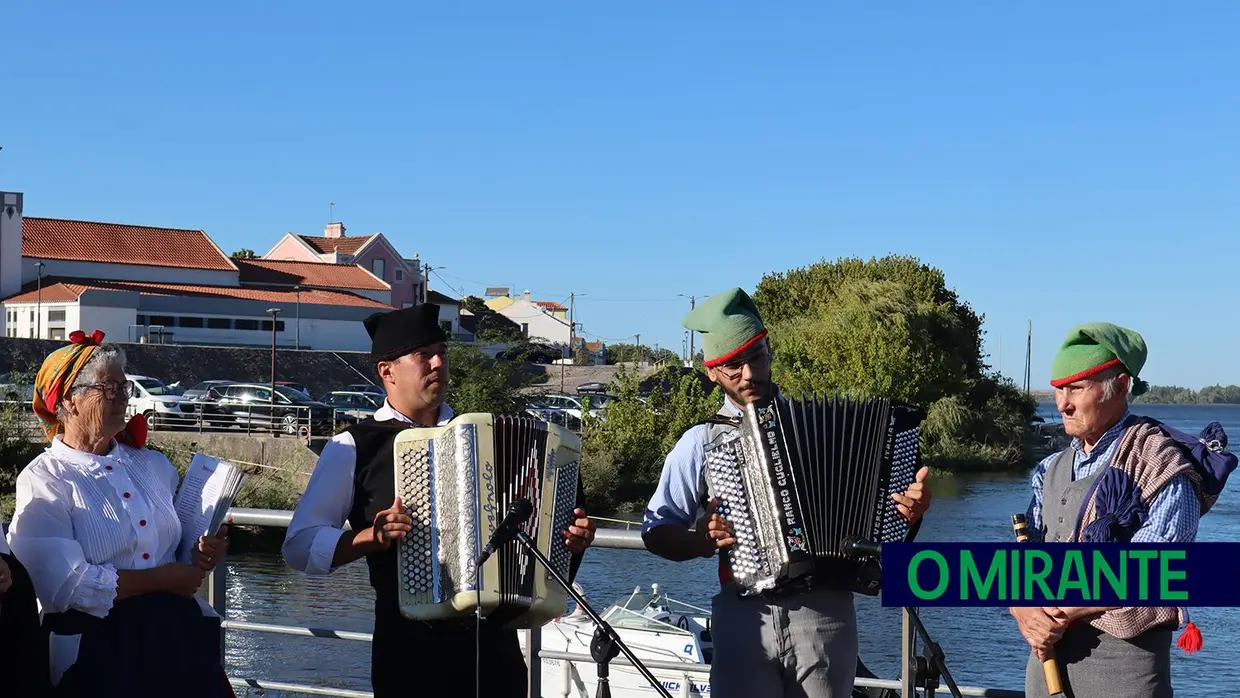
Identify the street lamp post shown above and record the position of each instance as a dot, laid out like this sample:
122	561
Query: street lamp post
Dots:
275	313
297	341
38	313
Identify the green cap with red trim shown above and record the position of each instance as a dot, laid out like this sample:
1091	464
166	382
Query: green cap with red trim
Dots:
1094	347
729	323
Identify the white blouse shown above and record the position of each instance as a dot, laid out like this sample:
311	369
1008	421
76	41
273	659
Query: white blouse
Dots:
81	517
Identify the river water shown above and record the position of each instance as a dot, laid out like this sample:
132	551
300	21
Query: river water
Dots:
982	645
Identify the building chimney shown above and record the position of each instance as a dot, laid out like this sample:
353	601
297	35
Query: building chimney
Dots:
527	296
334	230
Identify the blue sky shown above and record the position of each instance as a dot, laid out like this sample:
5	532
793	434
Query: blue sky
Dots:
1061	162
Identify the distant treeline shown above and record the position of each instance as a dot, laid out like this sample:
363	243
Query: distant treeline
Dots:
1175	395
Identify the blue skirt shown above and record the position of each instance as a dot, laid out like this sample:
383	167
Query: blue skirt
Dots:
148	646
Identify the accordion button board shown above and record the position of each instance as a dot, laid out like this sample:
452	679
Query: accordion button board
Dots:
798	478
456	481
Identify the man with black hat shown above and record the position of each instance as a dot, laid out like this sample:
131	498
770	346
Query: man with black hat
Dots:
794	644
354	481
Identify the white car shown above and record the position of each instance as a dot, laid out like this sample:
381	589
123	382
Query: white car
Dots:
159	403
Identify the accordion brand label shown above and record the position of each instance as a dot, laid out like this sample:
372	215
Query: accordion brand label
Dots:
786	498
488	502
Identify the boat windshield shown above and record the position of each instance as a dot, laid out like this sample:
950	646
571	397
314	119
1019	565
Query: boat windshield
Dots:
643	611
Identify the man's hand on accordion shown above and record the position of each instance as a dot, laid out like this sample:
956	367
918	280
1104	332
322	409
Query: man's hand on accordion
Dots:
915	501
718	530
391	524
580	534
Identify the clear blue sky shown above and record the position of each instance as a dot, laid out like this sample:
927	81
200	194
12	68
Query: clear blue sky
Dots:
1061	162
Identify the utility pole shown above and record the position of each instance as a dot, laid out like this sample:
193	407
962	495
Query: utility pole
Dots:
426	282
692	305
572	335
1028	356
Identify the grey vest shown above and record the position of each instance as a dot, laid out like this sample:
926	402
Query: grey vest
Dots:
1092	663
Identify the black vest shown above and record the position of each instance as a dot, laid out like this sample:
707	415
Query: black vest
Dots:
374	490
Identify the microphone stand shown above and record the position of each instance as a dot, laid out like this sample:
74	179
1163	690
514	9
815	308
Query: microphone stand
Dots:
606	641
932	665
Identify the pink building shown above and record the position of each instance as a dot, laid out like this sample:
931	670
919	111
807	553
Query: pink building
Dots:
371	252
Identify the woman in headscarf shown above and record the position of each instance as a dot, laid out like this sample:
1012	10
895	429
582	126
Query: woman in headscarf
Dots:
23	663
96	527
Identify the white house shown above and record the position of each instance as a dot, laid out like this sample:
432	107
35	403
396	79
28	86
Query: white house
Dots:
536	321
173	285
450	316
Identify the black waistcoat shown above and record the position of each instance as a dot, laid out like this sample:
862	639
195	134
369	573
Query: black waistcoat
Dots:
374	490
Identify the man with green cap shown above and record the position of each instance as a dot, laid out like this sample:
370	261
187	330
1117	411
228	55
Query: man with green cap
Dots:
771	645
1095	491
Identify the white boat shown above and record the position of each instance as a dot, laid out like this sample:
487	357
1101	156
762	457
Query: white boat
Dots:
657	628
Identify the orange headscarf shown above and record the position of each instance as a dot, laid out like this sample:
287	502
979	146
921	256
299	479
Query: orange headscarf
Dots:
56	376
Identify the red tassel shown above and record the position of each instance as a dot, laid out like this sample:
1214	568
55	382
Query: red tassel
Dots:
1190	640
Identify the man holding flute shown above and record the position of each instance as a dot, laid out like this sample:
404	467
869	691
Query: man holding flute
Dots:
1122	479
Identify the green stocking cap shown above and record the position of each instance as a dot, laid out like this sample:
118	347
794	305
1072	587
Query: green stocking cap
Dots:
729	323
1095	347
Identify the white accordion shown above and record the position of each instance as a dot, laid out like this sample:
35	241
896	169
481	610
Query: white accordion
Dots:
456	482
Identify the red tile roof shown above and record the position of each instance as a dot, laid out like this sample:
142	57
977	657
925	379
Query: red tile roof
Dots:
69	290
550	305
322	274
117	243
344	245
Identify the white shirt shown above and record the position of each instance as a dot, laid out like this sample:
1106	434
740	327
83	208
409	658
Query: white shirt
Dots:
81	517
318	522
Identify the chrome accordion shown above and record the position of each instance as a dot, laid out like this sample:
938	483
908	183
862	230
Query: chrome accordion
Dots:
456	482
798	479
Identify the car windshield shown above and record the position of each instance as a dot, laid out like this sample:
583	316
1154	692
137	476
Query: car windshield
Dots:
291	394
154	387
596	401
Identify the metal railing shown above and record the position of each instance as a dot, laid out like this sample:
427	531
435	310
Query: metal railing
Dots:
604	538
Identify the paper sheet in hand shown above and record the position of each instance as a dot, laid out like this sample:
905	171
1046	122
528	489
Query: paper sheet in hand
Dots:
206	494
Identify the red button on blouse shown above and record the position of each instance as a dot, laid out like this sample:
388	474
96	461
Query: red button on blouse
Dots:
107	467
142	522
126	495
146	556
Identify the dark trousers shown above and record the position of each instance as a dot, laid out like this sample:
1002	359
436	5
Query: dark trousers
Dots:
410	658
23	662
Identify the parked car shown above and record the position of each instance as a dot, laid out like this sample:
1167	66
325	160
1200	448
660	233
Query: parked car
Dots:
191	397
574	405
356	404
295	386
157	402
554	416
364	388
254	405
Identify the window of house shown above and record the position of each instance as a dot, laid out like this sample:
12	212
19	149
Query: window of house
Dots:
242	324
267	326
377	266
165	320
525	329
56	333
190	322
55	316
219	323
400	274
141	320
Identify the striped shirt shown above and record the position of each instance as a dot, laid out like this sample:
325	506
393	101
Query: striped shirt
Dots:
1174	513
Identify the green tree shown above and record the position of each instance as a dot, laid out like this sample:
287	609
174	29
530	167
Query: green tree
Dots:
891	327
489	326
477	383
244	253
624	450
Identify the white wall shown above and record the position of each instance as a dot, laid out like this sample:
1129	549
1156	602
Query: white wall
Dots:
324	335
540	324
127	272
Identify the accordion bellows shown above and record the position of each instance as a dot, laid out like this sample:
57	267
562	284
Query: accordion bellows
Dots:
798	478
456	482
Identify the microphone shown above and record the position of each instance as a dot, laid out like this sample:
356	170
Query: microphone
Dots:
518	513
858	547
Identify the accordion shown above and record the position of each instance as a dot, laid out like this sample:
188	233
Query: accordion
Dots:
456	481
799	479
